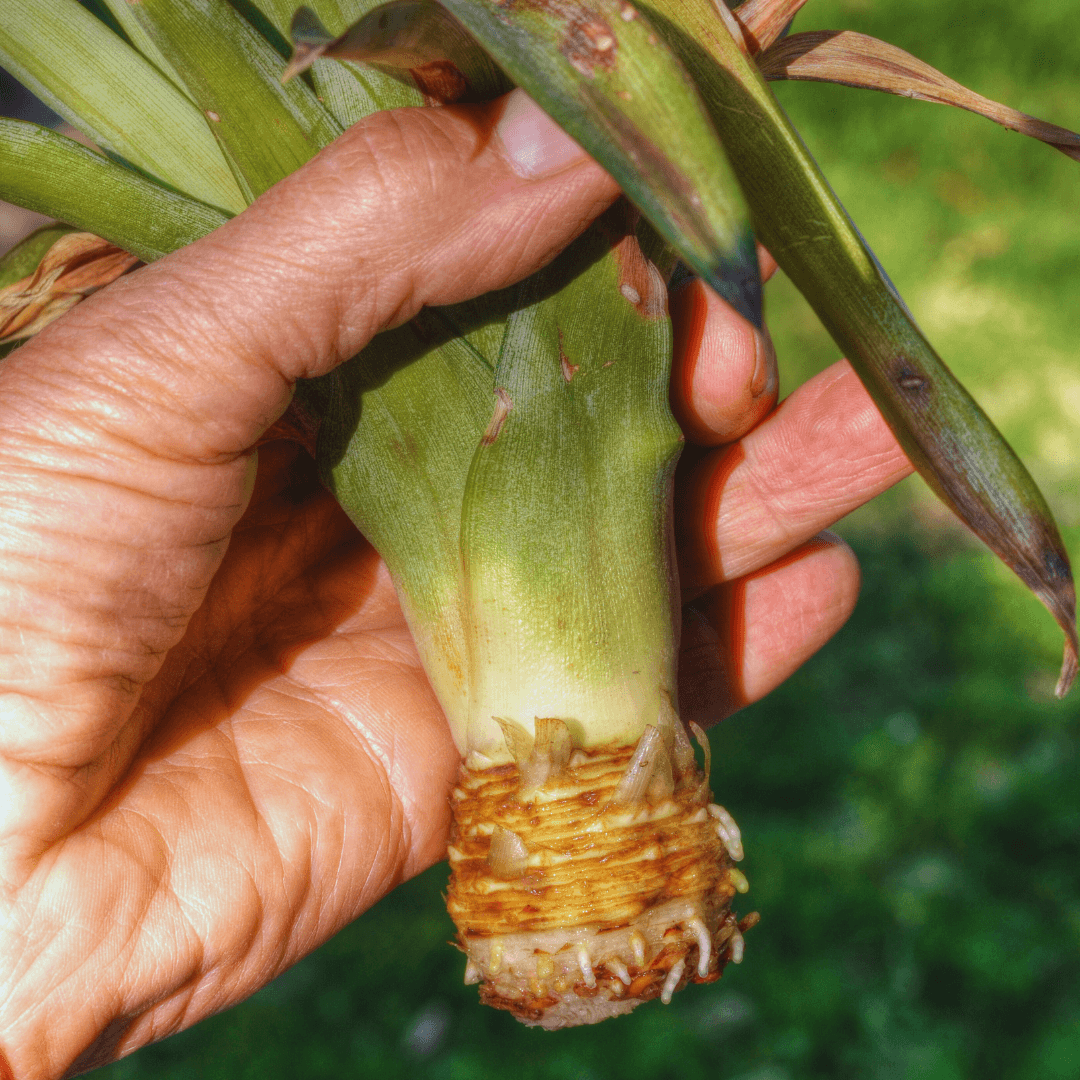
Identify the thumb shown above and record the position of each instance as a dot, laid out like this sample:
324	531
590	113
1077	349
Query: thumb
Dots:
126	427
407	208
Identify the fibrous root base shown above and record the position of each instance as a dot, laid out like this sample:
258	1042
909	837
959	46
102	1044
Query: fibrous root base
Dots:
573	905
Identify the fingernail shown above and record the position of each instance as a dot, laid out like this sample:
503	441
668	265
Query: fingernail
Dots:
766	374
534	143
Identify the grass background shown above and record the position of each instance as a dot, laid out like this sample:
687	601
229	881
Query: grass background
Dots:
910	799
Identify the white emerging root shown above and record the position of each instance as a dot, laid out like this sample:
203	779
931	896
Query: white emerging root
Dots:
704	944
586	966
648	776
674	734
736	948
518	741
728	831
672	981
706	746
738	879
623	891
551	750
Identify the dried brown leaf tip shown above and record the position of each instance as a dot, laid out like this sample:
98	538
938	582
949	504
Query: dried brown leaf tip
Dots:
310	40
74	267
763	21
843	56
440	82
402	36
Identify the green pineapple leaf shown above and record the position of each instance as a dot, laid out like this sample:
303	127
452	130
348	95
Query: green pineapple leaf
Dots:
123	13
400	423
948	438
580	70
102	86
22	260
614	86
231	72
54	175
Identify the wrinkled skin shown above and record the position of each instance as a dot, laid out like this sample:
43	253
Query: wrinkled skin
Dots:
217	746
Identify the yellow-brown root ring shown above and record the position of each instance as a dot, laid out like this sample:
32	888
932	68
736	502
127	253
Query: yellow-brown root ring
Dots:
606	905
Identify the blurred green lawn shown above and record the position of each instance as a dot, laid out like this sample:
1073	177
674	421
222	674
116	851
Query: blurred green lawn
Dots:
910	800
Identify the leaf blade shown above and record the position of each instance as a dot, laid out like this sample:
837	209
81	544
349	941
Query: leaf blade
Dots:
634	113
852	59
605	75
267	130
54	175
763	21
105	88
808	231
123	13
400	424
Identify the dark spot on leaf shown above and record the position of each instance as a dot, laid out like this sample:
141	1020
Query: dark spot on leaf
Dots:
405	447
1056	564
589	43
908	379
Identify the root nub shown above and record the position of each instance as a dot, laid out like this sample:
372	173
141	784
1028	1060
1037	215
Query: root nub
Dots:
606	885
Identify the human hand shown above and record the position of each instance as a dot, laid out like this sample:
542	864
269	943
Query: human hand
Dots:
217	746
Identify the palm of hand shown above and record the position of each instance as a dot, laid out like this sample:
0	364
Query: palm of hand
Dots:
295	767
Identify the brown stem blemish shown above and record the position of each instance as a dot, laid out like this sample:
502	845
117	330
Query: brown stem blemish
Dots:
503	405
640	282
568	370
